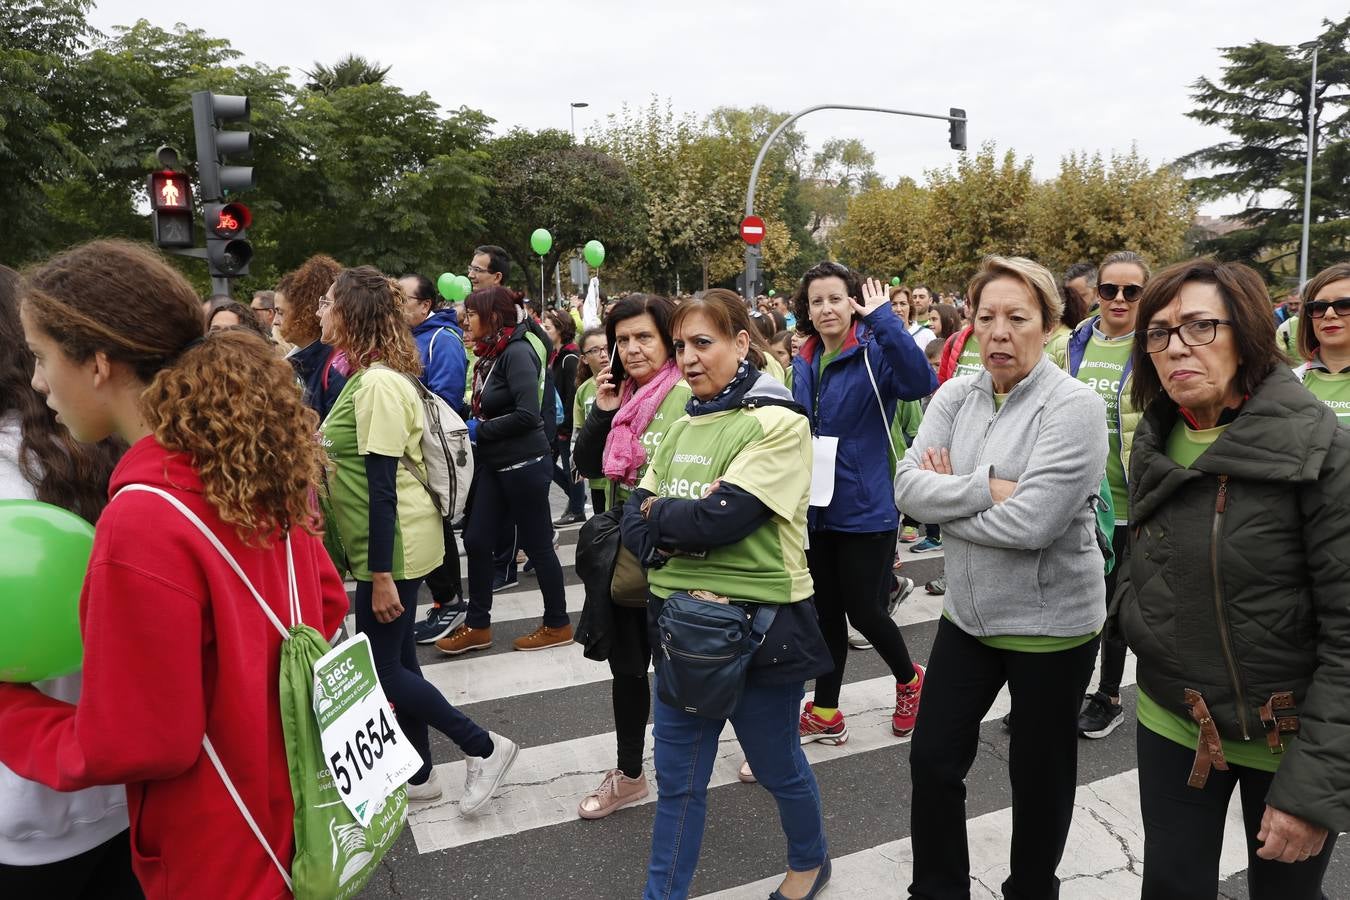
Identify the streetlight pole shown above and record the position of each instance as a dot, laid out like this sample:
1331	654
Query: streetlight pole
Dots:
576	105
957	118
1307	172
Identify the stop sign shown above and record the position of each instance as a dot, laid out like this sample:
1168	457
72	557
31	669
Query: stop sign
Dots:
752	229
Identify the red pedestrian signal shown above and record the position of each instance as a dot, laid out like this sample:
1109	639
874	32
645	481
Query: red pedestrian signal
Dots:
169	190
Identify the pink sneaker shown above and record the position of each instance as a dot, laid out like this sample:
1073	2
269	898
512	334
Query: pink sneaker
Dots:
615	792
907	704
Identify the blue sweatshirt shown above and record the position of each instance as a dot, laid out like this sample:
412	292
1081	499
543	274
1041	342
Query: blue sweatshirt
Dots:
440	343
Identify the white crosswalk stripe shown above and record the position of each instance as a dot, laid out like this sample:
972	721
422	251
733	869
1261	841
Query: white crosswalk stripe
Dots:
1103	858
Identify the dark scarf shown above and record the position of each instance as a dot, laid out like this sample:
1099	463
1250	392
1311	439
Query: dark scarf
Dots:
487	353
727	398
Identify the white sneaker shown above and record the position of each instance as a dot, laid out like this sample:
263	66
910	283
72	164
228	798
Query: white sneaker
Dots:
483	775
427	790
901	588
857	641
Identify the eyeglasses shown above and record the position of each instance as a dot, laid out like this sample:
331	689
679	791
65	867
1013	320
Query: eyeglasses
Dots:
1108	291
325	303
1316	309
596	352
478	270
1195	333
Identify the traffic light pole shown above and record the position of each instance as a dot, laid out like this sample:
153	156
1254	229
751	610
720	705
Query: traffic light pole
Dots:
752	252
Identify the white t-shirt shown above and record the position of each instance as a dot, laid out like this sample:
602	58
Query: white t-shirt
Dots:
922	334
37	824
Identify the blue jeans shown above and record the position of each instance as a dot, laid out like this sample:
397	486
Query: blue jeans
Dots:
686	747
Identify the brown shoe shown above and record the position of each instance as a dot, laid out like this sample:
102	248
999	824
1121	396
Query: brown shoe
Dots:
463	639
543	638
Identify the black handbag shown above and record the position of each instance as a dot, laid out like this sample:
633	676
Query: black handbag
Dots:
705	652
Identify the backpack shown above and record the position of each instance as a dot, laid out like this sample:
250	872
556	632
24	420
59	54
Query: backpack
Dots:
445	453
334	855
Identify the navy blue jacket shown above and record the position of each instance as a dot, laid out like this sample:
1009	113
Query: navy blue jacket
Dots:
309	363
841	403
445	364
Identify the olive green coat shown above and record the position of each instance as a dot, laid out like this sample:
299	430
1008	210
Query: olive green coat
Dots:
1238	582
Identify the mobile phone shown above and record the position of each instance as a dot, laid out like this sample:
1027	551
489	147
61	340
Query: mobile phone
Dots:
616	373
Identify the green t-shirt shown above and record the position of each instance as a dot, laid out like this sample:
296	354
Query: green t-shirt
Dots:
969	362
379	412
773	367
1102	368
1286	337
1184	447
1333	389
582	404
765	451
667	414
999	399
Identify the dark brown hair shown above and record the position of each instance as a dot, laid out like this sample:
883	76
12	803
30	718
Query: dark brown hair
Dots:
61	470
303	289
584	373
630	307
257	460
801	303
728	314
495	305
247	317
947	315
1307	336
1248	303
567	329
367	320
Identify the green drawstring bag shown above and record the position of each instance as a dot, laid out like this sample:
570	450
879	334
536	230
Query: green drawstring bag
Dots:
334	855
1106	524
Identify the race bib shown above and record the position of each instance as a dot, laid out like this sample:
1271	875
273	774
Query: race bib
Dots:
824	448
366	751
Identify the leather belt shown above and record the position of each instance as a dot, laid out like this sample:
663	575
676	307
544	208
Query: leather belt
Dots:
1209	748
1277	724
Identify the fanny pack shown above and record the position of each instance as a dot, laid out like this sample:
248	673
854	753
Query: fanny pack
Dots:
706	646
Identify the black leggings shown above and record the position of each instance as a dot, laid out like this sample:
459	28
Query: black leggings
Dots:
518	496
964	676
852	573
417	703
1183	829
444	582
630	692
103	873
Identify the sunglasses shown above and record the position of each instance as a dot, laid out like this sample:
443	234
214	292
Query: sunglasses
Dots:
1316	309
1131	291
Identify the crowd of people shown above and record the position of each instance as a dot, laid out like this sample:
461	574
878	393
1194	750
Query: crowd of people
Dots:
1109	459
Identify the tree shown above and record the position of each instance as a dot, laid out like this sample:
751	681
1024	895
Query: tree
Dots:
543	180
1261	100
349	71
840	170
882	232
40	95
1094	207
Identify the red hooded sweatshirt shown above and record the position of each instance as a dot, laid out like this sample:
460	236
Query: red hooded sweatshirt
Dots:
174	648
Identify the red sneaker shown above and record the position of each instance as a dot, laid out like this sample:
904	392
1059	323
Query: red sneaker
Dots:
812	727
907	704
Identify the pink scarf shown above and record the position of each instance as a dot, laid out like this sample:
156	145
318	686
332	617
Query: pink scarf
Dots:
624	456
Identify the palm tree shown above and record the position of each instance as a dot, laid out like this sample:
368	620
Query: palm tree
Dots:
350	71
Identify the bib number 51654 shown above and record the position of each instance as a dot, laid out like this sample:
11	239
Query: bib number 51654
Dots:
362	751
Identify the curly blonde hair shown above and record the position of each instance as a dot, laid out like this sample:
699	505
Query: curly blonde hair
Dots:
368	323
256	468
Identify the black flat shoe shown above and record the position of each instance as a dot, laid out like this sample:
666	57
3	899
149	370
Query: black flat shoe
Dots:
822	879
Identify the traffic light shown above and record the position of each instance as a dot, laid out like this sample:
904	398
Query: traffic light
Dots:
227	248
956	128
170	209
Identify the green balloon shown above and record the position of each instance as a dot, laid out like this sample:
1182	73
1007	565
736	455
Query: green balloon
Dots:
895	281
463	287
594	253
46	553
772	292
445	284
541	241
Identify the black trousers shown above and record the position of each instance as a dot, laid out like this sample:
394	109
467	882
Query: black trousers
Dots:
1183	829
964	676
103	873
852	574
445	582
630	692
1113	644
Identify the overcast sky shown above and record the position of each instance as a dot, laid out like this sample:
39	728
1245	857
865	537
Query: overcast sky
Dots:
1045	77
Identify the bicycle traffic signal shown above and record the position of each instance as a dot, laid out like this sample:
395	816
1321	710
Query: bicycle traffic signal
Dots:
227	248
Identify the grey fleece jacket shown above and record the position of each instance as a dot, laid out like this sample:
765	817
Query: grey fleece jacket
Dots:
1029	565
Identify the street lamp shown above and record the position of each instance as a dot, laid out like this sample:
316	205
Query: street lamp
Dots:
576	105
1307	172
